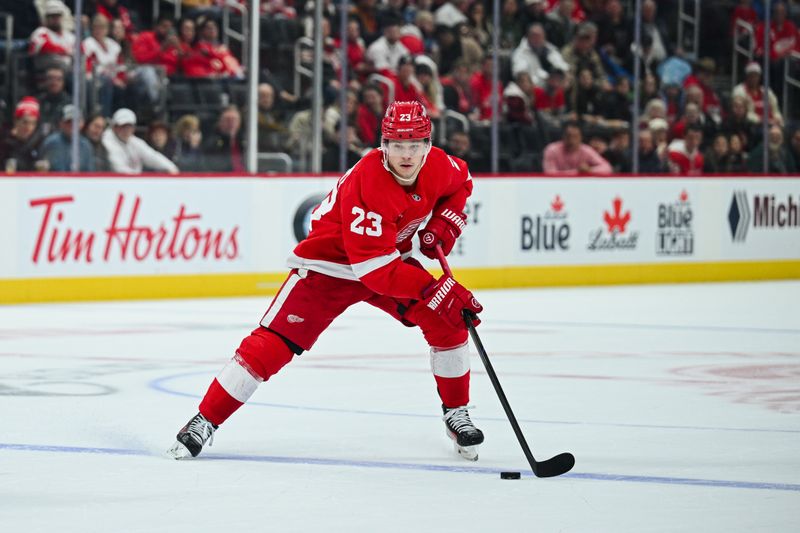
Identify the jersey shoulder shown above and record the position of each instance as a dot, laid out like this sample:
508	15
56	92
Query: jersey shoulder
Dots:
441	161
445	169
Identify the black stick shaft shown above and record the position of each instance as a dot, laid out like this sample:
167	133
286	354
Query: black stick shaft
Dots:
492	375
500	394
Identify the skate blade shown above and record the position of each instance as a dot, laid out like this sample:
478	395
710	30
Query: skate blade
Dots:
179	451
470	453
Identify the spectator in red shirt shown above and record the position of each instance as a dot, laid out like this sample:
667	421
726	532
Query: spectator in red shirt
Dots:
210	58
50	44
457	91
549	101
703	77
691	115
187	34
577	14
369	115
406	87
412	38
158	47
782	41
782	34
356	50
481	86
684	155
745	12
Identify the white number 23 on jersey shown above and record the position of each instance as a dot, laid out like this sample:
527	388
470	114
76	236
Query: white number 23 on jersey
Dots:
372	226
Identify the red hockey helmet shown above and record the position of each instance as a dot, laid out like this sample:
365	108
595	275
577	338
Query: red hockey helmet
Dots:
406	121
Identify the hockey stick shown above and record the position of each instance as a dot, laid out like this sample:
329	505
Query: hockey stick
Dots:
555	466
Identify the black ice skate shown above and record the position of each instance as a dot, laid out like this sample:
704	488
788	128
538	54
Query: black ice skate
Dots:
466	437
192	437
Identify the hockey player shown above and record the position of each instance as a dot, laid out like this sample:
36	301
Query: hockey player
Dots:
359	249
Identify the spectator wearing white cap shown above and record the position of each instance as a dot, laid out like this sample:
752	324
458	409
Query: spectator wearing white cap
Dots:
51	44
129	154
752	89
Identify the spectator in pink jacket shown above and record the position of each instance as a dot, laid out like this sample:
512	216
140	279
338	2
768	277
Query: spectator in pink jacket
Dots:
571	156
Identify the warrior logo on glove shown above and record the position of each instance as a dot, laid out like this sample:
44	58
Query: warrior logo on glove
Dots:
446	299
443	228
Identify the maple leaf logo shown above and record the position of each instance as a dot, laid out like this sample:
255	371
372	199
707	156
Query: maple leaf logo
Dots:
557	205
684	197
617	220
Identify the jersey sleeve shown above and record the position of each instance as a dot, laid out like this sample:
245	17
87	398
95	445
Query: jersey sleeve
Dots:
369	232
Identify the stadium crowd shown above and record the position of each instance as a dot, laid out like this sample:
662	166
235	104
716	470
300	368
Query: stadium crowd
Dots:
565	83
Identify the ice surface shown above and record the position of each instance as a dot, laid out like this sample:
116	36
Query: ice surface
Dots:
680	403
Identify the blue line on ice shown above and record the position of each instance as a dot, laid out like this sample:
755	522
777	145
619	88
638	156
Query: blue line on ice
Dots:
411	466
159	384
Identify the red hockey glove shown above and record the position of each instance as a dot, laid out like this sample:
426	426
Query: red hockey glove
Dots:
444	228
445	300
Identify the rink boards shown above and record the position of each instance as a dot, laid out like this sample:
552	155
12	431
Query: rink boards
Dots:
112	237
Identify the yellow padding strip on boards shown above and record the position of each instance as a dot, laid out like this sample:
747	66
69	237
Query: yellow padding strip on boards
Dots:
254	284
570	275
138	287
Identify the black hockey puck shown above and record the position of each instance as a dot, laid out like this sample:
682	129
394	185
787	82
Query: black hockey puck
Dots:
510	475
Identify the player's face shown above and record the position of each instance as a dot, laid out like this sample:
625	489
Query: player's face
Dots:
405	157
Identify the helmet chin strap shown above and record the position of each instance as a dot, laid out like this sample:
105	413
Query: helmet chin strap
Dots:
405	182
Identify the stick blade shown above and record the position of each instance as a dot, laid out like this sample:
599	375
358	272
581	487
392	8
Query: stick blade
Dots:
555	466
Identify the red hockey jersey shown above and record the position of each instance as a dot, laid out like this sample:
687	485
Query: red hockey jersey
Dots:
682	162
364	228
45	41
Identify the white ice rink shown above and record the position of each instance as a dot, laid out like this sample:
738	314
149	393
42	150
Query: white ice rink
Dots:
680	403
